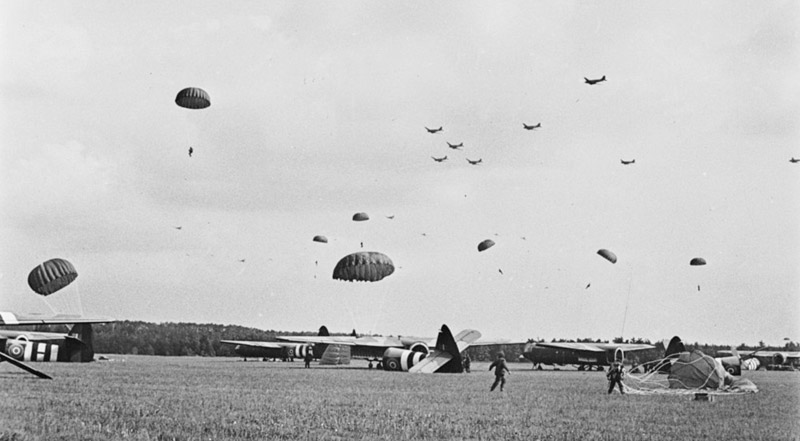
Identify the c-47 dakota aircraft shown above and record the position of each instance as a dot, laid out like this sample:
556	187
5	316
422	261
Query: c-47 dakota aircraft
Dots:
74	346
584	355
412	354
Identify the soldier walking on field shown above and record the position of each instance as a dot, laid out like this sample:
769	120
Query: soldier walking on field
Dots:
500	371
615	375
308	357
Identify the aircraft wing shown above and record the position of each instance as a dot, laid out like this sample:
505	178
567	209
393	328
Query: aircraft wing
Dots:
578	347
254	344
432	363
786	356
595	347
497	342
348	341
12	319
368	341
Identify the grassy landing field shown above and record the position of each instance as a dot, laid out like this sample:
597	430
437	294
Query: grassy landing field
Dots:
188	398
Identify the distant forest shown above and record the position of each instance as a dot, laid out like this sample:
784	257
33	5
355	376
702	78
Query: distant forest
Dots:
191	339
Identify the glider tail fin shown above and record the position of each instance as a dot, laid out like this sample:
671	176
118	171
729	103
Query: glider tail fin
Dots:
80	344
320	349
674	347
446	343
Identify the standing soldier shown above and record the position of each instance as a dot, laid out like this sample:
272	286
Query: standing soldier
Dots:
500	370
467	363
308	357
614	376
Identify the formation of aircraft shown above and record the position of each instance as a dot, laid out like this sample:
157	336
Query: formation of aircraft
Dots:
411	354
76	345
583	355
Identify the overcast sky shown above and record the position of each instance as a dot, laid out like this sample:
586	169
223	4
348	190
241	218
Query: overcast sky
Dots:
319	111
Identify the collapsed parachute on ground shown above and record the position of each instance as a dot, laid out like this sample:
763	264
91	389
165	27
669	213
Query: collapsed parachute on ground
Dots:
365	266
608	255
485	245
696	370
321	239
697	261
193	98
358	217
51	276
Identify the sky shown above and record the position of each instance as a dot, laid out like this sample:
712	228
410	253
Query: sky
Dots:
318	111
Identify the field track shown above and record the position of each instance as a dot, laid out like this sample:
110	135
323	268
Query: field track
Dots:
189	398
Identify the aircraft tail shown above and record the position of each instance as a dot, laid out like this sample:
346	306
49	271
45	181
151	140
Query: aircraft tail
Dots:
674	347
446	343
80	343
320	349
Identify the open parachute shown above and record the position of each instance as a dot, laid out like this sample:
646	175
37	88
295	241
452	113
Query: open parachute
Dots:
193	98
360	217
364	266
51	276
485	245
608	255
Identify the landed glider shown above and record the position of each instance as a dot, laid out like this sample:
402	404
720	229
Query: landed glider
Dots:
17	347
583	355
327	354
411	354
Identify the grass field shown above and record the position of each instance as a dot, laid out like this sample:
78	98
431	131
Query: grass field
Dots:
188	398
